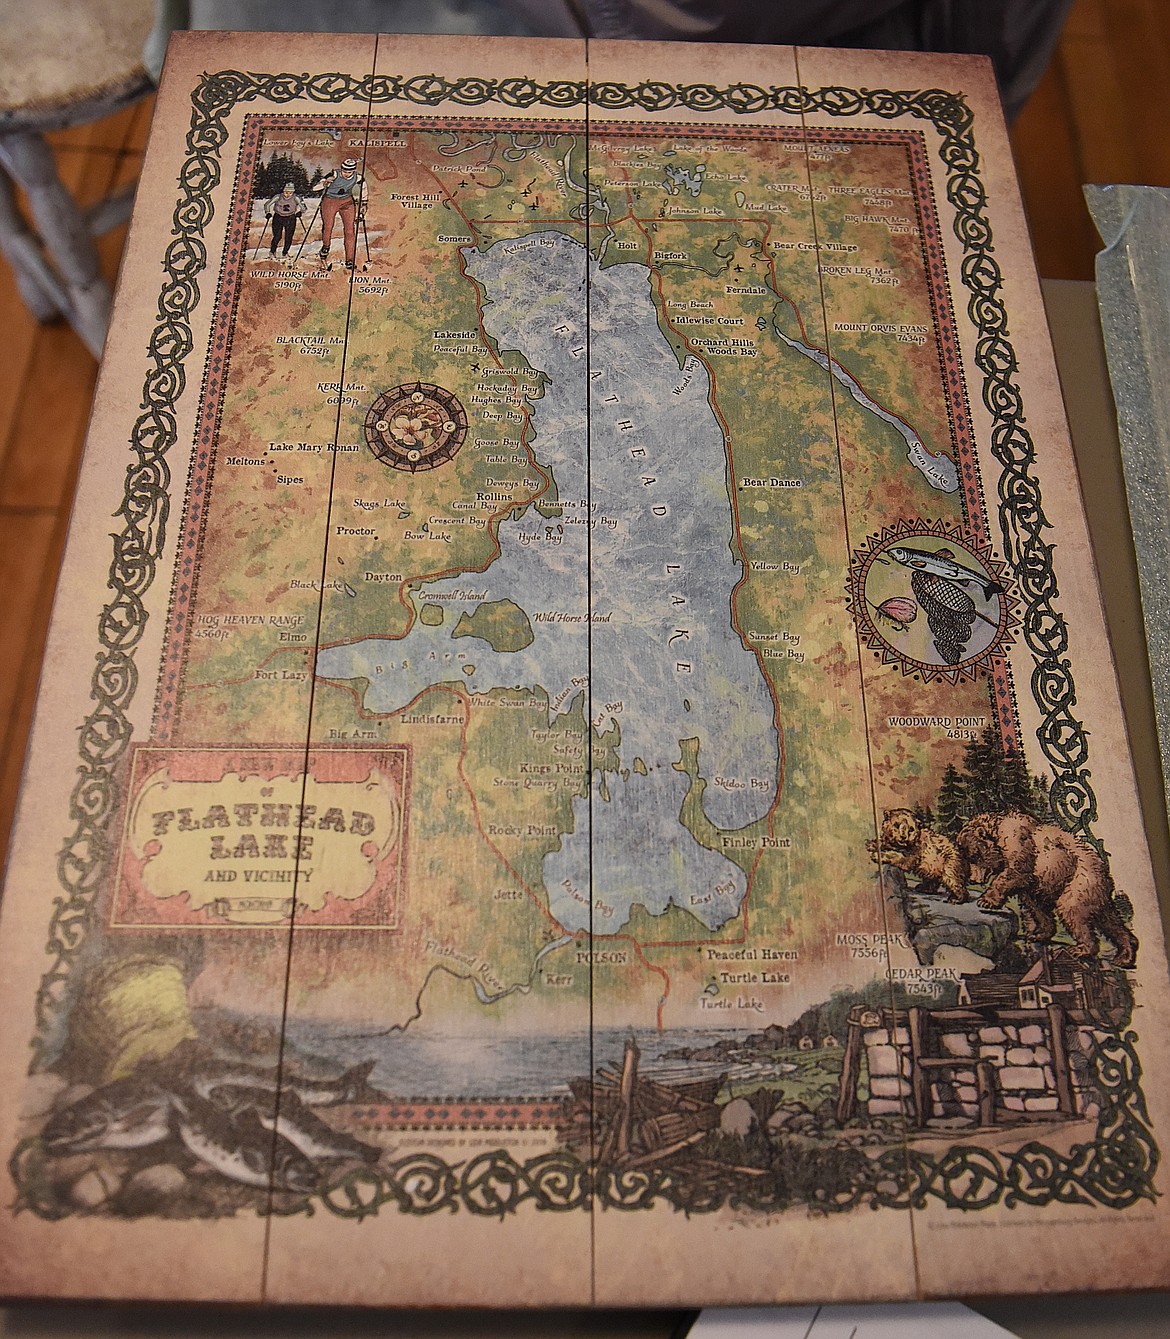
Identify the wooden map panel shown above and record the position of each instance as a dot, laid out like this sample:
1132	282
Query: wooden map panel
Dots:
602	781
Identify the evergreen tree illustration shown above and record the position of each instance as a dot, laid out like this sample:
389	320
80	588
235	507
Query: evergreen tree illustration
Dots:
1017	784
982	766
271	177
993	780
951	801
260	182
1041	800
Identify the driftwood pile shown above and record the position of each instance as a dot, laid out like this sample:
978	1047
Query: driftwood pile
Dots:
627	1121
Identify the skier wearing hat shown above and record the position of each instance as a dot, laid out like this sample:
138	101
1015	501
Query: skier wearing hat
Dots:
344	198
284	211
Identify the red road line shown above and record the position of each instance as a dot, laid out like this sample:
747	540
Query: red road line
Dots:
534	897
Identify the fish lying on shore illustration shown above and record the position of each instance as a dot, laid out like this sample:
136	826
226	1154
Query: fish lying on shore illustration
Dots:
315	1138
292	1120
241	1148
240	1121
128	1113
942	563
349	1086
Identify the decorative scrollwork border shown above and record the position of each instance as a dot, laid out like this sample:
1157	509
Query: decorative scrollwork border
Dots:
1112	1171
1118	1167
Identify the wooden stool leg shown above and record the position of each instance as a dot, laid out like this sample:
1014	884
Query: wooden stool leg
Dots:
65	234
39	286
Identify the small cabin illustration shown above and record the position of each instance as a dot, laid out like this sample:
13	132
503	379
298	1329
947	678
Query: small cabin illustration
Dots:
830	1043
1056	977
999	990
805	1044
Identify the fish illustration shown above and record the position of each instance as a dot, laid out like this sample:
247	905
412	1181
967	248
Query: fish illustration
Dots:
227	1115
241	1149
128	1113
291	1170
294	1121
349	1086
942	563
314	1137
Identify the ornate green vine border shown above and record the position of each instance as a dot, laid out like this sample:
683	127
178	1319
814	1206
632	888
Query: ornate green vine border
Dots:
1118	1167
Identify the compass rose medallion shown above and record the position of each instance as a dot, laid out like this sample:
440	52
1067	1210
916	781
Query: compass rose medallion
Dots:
416	426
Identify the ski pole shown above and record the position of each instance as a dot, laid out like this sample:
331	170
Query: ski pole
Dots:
264	227
308	232
304	225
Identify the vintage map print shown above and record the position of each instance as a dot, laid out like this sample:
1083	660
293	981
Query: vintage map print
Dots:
601	781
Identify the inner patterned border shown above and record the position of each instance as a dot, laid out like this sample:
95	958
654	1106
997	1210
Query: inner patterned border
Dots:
1114	1170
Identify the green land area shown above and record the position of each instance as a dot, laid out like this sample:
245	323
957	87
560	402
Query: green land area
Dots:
500	623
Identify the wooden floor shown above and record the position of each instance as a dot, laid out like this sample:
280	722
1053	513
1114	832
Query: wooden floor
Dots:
1101	114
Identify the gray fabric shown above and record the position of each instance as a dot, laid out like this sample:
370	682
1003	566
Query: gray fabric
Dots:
459	17
1133	290
169	15
1019	38
1018	35
342	185
807	22
491	18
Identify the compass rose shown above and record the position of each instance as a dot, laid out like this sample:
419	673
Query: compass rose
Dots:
415	426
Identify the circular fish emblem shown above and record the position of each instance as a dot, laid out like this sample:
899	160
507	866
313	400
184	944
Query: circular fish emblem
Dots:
415	426
931	600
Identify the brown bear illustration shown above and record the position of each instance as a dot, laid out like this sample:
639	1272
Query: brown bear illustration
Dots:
1049	870
933	857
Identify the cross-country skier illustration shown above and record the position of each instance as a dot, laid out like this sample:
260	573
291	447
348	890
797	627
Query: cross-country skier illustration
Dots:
284	210
344	198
